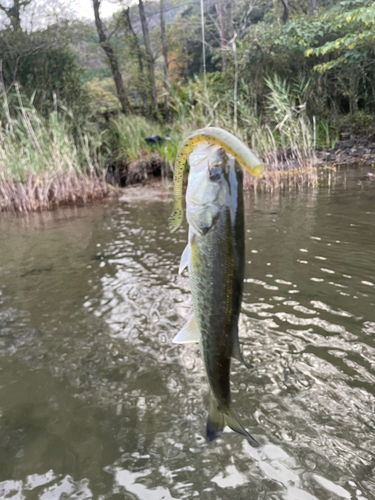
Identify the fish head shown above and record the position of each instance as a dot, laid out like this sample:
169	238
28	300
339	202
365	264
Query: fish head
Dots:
207	187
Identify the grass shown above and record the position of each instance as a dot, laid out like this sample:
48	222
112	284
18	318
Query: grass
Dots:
43	163
48	161
283	139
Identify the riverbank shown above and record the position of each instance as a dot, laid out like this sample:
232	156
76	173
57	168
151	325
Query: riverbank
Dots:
48	191
50	161
353	151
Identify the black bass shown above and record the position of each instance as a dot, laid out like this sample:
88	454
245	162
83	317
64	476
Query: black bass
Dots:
212	135
215	258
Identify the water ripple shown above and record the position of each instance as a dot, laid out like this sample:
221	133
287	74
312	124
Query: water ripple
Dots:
96	402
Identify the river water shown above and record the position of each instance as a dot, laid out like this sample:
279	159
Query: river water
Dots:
95	400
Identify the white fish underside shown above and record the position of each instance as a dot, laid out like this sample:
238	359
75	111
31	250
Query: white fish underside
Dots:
189	333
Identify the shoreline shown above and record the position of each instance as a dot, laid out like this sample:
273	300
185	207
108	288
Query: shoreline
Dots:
139	179
352	152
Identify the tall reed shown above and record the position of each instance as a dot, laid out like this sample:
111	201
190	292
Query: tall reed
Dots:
43	163
283	138
48	161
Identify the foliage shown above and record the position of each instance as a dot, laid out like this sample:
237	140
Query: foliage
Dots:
44	67
335	51
353	26
358	123
34	145
282	88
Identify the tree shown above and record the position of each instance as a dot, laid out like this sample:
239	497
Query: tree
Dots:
112	59
224	16
13	13
348	49
168	112
137	49
150	58
42	64
285	17
311	7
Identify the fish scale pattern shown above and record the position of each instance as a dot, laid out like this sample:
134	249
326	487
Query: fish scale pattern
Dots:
216	275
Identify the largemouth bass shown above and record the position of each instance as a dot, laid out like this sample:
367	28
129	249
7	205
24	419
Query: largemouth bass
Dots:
215	258
212	135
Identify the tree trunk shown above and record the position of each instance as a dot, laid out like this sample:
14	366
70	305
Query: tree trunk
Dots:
285	17
112	59
311	7
168	111
223	42
150	58
137	50
228	20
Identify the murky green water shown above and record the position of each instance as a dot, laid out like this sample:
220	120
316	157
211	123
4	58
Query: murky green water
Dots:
96	402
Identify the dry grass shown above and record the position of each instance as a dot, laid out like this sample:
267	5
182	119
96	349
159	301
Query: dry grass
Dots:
45	192
285	174
283	138
46	162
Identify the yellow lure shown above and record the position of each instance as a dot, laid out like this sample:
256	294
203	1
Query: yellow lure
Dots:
230	143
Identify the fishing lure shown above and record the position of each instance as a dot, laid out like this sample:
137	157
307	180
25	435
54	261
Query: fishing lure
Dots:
217	136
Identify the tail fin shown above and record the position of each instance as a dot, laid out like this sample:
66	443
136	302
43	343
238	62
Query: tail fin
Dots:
217	420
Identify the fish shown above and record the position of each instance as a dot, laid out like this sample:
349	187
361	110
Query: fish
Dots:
215	257
215	136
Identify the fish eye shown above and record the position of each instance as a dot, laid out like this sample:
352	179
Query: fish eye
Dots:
215	174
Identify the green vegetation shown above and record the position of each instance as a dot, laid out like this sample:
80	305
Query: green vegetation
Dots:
286	77
47	161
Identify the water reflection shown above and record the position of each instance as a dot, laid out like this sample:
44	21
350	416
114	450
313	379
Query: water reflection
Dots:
96	402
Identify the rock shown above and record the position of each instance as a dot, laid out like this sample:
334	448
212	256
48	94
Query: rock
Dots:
116	172
363	141
154	139
347	144
140	170
344	136
357	152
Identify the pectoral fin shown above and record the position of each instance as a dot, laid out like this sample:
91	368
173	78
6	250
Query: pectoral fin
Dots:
188	333
184	259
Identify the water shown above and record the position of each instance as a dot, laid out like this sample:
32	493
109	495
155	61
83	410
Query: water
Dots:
96	402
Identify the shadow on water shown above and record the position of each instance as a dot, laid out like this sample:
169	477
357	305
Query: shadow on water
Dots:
96	402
